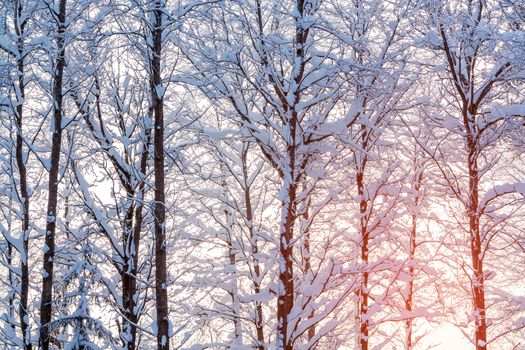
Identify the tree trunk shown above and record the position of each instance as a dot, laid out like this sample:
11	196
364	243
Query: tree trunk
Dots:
234	292
478	282
12	282
308	268
161	291
291	177
49	247
307	259
363	292
129	279
285	300
411	256
20	163
259	324
363	288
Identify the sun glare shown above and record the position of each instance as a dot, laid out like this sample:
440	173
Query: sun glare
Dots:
446	337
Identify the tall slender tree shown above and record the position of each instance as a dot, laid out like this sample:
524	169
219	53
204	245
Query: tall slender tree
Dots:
19	51
477	63
59	63
157	99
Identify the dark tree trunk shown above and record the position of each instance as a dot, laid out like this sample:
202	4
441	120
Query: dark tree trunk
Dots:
49	247
292	175
161	291
24	195
285	300
12	282
129	278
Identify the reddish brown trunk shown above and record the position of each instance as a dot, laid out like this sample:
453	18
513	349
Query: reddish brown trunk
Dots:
478	282
46	303
291	177
363	289
363	292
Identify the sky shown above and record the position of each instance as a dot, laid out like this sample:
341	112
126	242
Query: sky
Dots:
447	337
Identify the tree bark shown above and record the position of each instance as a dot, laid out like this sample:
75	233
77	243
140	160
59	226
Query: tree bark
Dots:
49	247
161	291
478	281
285	300
292	175
129	278
20	163
11	278
363	288
363	292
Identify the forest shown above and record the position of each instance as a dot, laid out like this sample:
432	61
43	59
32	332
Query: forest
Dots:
256	174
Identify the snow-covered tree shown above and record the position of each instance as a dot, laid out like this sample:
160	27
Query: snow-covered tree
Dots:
290	174
477	62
